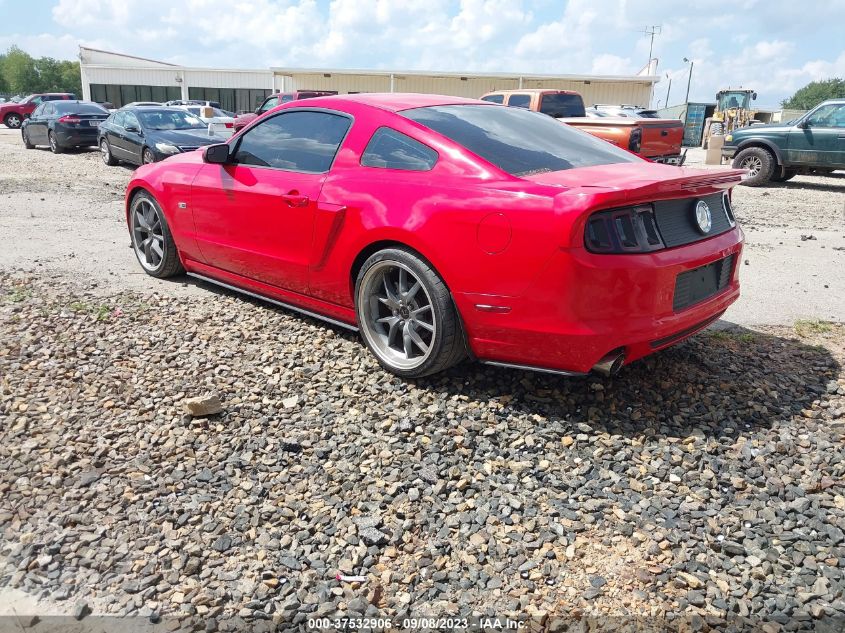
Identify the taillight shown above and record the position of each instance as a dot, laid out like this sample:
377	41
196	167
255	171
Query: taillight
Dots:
69	119
229	124
635	142
631	230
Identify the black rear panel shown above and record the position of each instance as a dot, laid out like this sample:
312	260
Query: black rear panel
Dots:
701	283
676	220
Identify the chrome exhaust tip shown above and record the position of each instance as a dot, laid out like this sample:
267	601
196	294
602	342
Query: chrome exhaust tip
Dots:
610	364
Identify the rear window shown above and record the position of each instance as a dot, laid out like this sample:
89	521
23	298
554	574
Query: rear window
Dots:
518	141
562	105
79	108
494	98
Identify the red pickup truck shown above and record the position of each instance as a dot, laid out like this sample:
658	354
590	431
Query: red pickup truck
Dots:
656	139
13	114
277	99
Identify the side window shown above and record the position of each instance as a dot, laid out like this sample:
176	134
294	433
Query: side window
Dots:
37	100
49	109
393	150
302	141
270	103
120	119
494	98
832	115
131	120
286	98
38	111
519	101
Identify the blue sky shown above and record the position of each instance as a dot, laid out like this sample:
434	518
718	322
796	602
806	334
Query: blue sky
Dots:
773	46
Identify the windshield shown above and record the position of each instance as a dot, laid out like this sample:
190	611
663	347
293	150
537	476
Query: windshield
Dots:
169	120
733	99
562	105
516	140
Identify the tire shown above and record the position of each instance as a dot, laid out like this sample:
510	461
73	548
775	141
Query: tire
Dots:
147	156
760	162
54	143
151	238
105	153
13	121
717	129
25	137
413	329
789	174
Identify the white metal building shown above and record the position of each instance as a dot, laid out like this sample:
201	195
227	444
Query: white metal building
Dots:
119	79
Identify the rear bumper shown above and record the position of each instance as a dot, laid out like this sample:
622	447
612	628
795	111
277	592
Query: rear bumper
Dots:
81	136
671	159
584	306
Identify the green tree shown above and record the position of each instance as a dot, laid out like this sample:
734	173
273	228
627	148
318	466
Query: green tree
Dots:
19	71
814	93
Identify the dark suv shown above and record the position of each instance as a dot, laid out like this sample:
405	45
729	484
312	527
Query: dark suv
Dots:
813	144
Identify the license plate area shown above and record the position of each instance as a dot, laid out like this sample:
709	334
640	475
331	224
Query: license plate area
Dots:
699	284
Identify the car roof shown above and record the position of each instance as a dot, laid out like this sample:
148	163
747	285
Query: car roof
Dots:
532	91
393	101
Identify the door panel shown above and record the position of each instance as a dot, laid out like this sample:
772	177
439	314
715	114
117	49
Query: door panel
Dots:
255	217
822	139
256	222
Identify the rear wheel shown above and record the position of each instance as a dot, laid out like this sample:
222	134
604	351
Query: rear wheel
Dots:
760	164
105	153
151	239
406	314
54	143
26	142
13	121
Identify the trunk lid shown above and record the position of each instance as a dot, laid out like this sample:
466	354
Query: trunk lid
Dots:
639	181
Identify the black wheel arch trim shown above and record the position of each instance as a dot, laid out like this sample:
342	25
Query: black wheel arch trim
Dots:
761	142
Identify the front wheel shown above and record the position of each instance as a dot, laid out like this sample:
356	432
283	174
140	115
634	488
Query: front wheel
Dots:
760	164
147	156
151	239
406	314
26	142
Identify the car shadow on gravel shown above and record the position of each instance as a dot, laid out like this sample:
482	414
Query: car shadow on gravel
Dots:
721	383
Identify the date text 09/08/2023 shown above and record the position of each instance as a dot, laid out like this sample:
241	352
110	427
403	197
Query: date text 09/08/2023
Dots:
416	624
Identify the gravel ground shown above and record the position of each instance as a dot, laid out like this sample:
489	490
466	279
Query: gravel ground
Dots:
707	480
704	483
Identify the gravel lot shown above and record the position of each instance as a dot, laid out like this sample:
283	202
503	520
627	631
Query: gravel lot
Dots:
705	482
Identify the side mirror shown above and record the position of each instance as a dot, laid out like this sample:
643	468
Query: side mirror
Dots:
217	154
133	128
257	110
754	96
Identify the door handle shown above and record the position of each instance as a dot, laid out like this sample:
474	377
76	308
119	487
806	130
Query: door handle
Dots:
294	199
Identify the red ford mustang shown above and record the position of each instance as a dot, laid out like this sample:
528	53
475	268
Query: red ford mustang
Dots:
444	227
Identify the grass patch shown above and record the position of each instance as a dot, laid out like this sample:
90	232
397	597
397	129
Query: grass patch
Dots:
101	312
809	327
18	294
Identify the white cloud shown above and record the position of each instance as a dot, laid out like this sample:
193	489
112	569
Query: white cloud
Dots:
756	43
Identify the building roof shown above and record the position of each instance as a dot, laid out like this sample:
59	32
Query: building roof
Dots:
463	75
396	101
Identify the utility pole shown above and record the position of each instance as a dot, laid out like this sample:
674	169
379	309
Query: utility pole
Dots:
653	30
669	89
689	77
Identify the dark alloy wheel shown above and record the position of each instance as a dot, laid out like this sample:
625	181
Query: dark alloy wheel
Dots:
760	164
54	144
406	314
105	153
13	121
151	238
147	156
